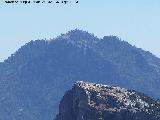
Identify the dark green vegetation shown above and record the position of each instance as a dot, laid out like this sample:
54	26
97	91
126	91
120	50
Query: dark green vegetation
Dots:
34	79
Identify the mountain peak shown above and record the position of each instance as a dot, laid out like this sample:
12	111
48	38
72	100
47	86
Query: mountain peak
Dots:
79	38
77	31
80	33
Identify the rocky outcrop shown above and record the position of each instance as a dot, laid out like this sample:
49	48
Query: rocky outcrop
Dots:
89	101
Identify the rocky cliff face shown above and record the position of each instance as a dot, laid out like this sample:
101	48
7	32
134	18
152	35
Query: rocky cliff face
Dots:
89	101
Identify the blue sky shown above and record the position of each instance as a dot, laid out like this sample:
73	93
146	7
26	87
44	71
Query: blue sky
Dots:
135	21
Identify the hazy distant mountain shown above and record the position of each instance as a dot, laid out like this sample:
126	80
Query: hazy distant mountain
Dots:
33	80
90	101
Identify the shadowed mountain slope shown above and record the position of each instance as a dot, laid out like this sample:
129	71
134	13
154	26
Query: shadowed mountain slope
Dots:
33	79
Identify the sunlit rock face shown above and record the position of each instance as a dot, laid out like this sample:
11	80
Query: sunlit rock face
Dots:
90	101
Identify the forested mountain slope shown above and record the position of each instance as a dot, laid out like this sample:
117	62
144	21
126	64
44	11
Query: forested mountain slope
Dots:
34	79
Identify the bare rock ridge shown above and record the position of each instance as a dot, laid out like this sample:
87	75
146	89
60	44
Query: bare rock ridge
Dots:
90	101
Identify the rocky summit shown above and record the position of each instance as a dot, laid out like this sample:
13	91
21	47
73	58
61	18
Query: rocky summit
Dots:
90	101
